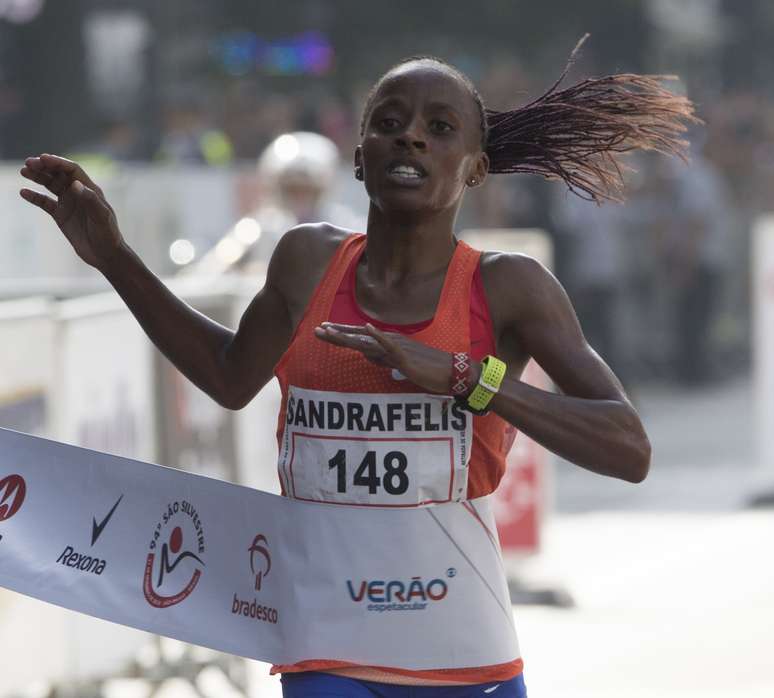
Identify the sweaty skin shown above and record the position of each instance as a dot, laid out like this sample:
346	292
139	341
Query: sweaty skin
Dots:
422	117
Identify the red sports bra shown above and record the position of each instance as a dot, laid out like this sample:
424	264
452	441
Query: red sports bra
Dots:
346	311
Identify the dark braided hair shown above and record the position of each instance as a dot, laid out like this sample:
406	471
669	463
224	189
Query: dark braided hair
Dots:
577	134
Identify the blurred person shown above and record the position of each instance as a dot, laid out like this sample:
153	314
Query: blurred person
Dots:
118	142
335	120
189	137
297	172
300	169
276	114
645	329
740	148
695	257
594	270
740	144
407	312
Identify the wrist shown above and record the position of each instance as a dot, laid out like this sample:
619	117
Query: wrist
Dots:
463	376
114	259
475	377
491	372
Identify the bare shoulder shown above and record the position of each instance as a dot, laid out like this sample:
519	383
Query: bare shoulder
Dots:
300	260
308	243
517	285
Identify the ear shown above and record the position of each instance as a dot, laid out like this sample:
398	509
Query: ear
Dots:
483	166
479	171
359	163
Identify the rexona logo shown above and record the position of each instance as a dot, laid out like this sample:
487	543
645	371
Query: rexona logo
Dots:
83	562
175	556
260	564
13	489
398	595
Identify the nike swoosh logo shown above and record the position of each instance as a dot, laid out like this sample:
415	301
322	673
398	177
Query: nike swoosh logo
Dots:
97	528
493	689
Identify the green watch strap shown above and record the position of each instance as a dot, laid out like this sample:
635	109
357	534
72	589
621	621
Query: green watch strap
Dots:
492	374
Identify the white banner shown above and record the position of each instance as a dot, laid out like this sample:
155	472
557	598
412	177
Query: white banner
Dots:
251	573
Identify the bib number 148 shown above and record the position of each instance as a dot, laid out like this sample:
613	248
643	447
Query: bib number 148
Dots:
394	478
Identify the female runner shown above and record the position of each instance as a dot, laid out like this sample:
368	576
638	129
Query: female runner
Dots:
408	308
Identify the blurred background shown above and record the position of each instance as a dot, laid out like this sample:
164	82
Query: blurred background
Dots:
213	127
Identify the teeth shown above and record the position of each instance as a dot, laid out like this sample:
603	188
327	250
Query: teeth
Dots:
406	171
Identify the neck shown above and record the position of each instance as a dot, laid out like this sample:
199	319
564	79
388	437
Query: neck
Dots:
401	249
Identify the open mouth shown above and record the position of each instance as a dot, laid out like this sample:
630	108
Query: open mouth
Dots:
406	172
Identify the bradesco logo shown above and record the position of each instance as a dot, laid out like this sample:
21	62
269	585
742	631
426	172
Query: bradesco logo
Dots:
260	565
175	558
398	595
87	562
260	559
13	489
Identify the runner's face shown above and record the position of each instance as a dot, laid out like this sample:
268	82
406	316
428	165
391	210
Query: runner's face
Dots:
421	141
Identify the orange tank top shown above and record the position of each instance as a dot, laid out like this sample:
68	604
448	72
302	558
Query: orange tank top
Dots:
310	364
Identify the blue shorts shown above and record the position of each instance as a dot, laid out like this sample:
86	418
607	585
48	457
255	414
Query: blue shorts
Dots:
312	684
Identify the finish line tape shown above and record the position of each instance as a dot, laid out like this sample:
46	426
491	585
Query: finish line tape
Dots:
247	572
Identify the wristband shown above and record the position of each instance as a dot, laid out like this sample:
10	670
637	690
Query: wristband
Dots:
492	374
461	374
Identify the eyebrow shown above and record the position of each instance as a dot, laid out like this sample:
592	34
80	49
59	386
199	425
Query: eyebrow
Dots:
443	106
389	102
400	102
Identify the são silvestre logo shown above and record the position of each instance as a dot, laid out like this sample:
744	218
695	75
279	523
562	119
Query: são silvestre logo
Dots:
175	556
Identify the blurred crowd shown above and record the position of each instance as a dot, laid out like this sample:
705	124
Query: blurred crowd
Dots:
660	282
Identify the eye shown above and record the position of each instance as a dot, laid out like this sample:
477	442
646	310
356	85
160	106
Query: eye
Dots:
388	123
439	126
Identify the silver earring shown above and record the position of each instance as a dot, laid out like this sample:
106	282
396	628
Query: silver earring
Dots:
359	172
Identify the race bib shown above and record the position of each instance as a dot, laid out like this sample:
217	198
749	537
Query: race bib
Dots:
394	449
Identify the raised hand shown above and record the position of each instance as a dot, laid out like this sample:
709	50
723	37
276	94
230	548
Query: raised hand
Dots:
424	366
79	209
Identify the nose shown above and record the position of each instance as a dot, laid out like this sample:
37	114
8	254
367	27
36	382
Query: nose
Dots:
411	137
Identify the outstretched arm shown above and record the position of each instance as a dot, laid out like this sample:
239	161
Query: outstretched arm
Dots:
230	367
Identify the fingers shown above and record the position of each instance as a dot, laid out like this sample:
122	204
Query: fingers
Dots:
384	341
351	340
40	200
358	339
68	169
356	336
46	161
368	330
349	329
56	183
94	207
334	335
